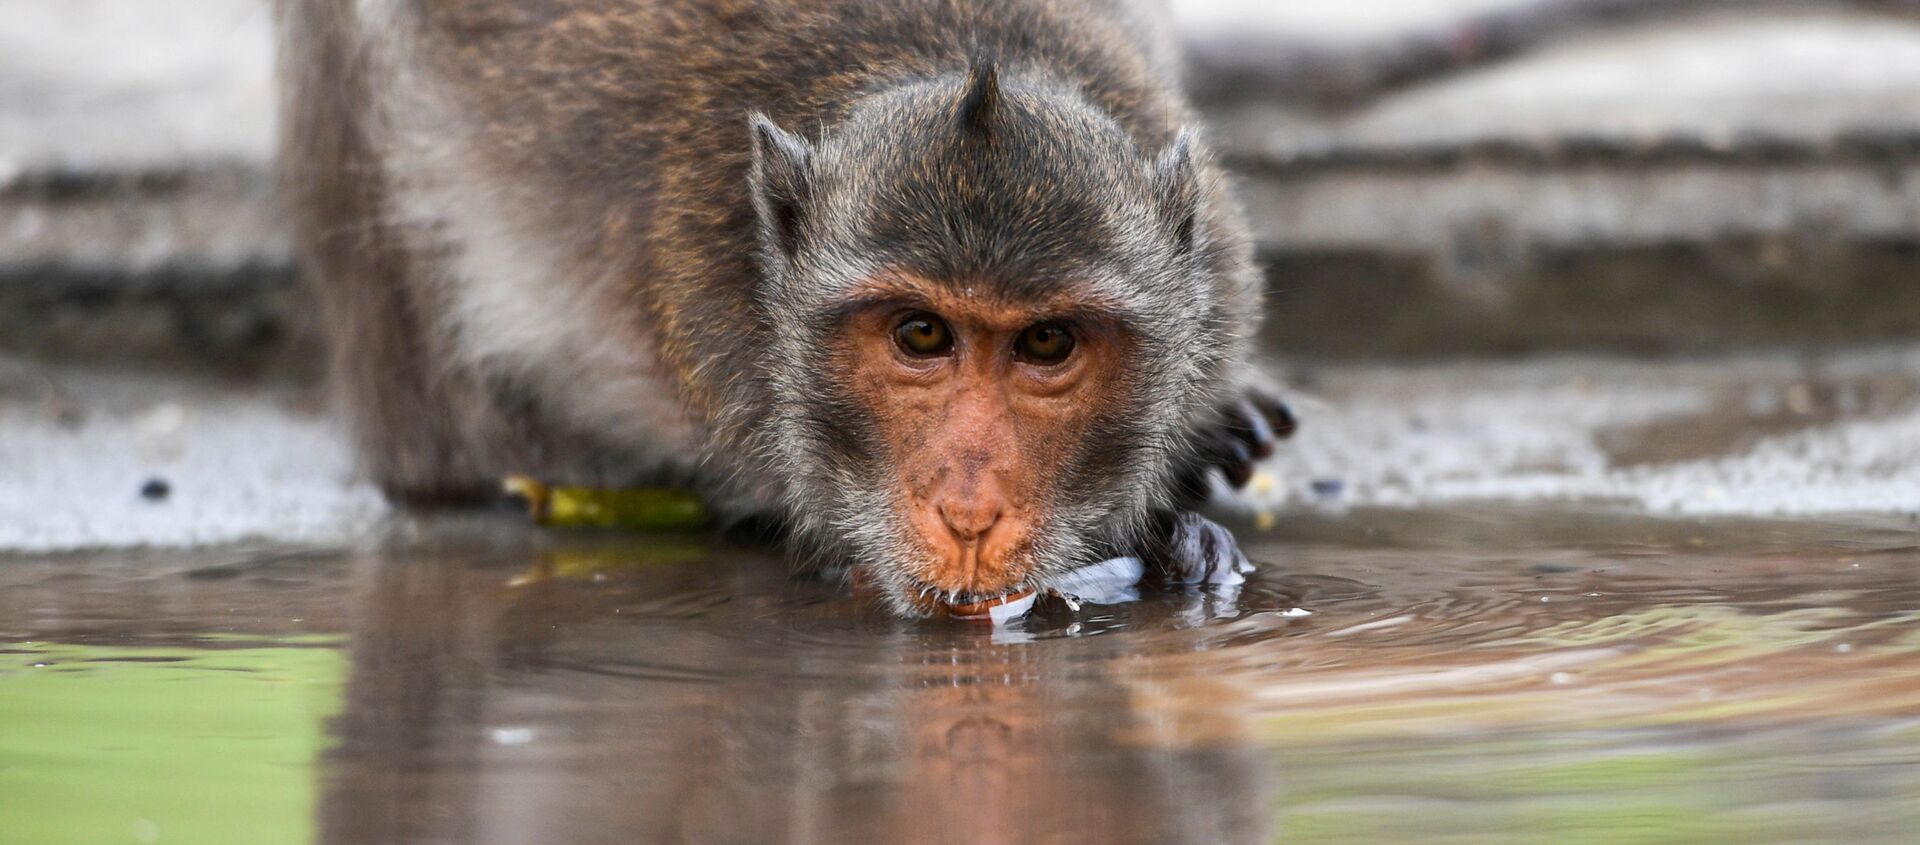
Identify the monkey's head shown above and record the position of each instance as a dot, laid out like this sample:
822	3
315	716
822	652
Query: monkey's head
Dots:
994	320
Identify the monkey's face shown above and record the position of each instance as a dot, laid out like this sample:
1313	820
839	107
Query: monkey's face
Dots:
962	442
992	322
982	412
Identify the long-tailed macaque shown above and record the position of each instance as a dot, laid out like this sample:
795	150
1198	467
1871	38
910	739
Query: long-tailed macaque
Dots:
951	287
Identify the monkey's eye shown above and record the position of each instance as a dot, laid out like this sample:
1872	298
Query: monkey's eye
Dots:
923	336
1044	343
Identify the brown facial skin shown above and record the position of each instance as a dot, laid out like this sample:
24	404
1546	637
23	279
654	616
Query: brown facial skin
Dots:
977	425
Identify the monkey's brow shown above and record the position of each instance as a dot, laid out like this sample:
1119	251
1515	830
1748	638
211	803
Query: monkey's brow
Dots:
1091	311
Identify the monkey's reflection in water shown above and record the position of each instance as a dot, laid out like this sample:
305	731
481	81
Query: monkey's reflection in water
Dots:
718	701
1008	750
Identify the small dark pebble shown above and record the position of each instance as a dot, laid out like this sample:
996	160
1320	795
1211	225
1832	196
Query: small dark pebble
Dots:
155	489
1327	487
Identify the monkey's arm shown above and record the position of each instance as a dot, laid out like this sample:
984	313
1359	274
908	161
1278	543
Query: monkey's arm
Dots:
1244	429
1190	549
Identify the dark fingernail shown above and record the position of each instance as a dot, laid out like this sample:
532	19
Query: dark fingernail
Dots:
1237	462
1257	432
1282	418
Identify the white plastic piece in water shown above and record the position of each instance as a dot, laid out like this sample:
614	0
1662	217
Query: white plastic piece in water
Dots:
1001	614
1296	612
1110	581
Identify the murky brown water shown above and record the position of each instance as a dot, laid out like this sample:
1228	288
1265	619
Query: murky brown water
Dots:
1469	676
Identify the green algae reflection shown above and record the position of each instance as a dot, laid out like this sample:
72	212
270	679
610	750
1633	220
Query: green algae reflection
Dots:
214	745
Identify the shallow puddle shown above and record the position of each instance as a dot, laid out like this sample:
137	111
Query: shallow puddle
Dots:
1462	676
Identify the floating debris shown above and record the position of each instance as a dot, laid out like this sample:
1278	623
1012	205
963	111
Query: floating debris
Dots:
1110	581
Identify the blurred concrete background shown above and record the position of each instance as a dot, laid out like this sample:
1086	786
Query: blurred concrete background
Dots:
1488	176
1735	181
1513	175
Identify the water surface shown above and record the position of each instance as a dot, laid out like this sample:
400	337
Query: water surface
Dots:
1471	676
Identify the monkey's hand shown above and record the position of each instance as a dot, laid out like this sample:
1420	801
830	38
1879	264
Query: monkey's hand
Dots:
1244	430
1196	551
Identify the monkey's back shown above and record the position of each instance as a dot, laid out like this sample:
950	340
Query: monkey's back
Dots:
527	220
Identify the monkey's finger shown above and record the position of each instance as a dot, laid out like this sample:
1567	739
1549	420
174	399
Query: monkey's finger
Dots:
1277	413
1247	423
1232	456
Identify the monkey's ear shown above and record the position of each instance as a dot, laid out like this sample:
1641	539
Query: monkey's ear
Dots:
1176	182
782	182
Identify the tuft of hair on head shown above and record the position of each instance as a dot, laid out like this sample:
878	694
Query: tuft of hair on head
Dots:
981	98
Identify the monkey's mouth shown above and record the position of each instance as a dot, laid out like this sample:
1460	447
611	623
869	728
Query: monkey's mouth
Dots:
964	604
923	591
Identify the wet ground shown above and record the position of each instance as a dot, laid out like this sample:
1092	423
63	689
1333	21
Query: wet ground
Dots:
1757	433
1470	675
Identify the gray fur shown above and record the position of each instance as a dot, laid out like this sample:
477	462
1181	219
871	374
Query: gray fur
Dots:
602	241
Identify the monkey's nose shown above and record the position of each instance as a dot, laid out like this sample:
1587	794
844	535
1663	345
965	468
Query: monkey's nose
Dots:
969	521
